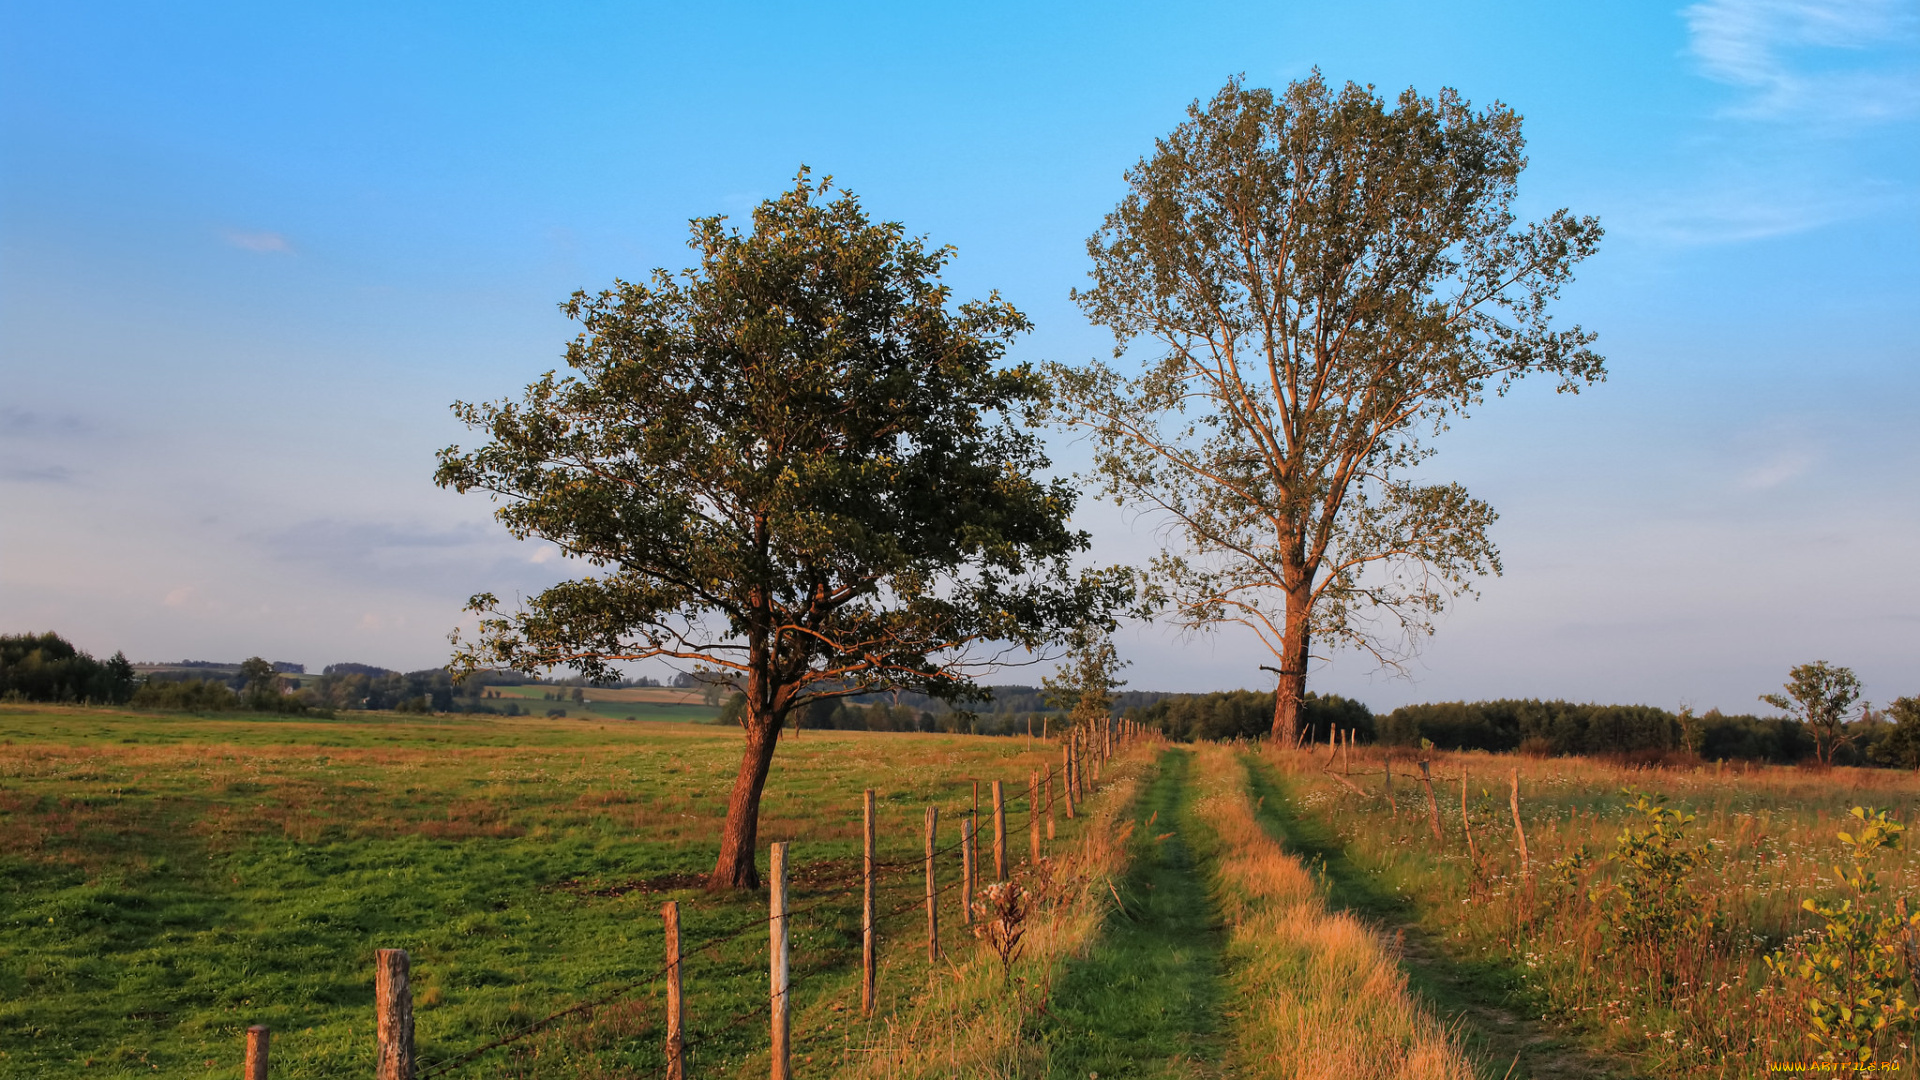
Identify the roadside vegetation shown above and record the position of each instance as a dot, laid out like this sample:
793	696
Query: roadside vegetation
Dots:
1683	921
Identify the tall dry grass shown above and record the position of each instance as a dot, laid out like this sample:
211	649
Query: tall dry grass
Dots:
1321	996
971	1019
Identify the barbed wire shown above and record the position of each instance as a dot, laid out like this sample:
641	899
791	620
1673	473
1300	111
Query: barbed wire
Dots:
446	1065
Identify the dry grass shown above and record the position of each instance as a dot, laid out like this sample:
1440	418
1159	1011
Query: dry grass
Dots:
1322	995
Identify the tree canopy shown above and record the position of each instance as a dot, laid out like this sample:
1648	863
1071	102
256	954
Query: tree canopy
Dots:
1326	281
1820	695
798	466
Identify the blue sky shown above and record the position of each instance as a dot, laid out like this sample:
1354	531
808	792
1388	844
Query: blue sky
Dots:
249	253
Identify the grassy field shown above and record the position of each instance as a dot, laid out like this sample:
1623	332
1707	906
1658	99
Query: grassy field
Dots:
168	880
602	703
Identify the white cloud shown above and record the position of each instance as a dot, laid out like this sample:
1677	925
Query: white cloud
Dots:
1750	204
1776	470
269	243
1829	61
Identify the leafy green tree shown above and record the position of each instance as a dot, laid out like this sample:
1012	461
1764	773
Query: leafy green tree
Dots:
1820	696
1902	745
796	466
1084	683
1326	280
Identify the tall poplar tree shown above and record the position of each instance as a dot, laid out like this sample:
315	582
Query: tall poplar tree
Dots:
1325	280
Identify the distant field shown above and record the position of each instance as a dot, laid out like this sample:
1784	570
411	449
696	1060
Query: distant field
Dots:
169	880
637	703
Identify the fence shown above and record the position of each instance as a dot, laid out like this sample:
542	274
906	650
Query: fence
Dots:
1082	747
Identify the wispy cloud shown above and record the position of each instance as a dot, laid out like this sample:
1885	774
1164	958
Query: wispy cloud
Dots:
16	423
37	474
1756	207
266	243
1776	470
1840	62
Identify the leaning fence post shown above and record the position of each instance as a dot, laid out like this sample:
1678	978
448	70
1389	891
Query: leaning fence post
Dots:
1433	804
999	831
1033	815
393	1016
257	1037
1519	832
868	946
1466	819
676	1004
777	967
933	892
969	871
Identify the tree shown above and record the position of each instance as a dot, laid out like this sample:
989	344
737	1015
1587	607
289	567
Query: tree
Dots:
1328	280
798	467
1084	683
1820	696
1902	745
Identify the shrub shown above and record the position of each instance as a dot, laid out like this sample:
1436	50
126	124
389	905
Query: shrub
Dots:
1855	972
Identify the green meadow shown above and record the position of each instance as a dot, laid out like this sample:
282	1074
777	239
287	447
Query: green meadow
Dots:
166	881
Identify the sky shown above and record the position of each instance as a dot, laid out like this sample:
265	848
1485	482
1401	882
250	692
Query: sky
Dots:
249	254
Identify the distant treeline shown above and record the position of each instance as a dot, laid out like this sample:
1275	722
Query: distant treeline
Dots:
1531	726
47	667
1236	714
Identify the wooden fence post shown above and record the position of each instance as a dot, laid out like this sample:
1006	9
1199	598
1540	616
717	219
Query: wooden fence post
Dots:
777	965
393	1013
933	892
969	871
1433	804
999	831
1519	832
1466	820
1033	816
868	946
1049	803
1079	764
676	1004
1066	778
257	1037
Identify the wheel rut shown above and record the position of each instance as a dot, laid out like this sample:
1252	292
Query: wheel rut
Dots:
1147	1000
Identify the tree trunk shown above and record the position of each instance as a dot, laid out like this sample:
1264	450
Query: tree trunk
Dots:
1292	689
738	841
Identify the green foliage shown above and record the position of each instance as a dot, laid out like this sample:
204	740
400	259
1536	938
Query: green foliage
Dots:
1558	727
1820	695
47	667
797	467
1083	685
1325	278
1649	901
1857	971
1901	745
191	695
797	462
